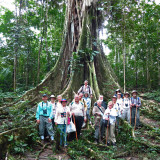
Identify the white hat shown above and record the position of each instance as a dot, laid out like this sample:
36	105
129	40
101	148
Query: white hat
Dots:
52	96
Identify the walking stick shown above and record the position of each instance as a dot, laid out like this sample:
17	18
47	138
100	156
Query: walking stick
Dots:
100	130
135	119
75	126
107	131
130	114
117	125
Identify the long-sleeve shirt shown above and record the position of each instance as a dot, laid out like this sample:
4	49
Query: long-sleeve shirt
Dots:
116	107
53	108
98	114
136	101
61	115
103	104
59	104
126	103
119	103
84	89
44	109
77	109
88	102
111	114
96	110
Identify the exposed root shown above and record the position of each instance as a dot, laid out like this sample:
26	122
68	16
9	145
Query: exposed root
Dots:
39	152
95	80
123	154
98	145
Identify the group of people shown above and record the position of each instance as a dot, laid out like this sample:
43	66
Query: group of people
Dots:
51	113
120	107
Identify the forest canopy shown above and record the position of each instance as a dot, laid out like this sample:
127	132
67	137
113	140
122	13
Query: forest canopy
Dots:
31	38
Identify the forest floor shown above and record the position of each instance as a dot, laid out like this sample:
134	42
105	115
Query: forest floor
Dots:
47	152
85	148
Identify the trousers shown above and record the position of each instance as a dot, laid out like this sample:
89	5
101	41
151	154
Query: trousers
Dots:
126	114
137	116
63	134
45	124
111	133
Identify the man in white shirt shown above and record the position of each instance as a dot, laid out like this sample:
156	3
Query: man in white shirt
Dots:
110	116
53	103
85	88
77	112
126	107
119	102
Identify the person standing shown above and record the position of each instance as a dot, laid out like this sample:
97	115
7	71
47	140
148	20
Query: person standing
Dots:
44	117
118	91
116	107
85	88
126	107
78	114
53	103
135	104
110	117
88	104
98	112
59	98
85	105
61	120
119	103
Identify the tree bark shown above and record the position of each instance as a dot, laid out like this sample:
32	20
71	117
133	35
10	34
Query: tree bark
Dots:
80	34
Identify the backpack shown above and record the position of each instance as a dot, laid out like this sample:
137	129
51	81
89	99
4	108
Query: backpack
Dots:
87	87
136	99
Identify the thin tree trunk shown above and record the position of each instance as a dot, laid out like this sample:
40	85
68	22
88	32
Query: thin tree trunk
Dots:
39	55
147	67
15	70
27	66
46	31
124	66
124	54
158	59
136	71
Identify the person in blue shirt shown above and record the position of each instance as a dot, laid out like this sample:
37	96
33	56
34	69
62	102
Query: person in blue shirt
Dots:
87	99
135	105
44	117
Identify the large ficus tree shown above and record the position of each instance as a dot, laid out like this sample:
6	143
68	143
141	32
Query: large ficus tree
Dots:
81	55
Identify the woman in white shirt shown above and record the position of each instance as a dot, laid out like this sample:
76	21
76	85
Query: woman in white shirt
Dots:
61	120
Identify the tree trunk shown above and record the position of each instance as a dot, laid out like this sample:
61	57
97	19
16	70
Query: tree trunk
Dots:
27	66
158	59
39	56
46	35
80	33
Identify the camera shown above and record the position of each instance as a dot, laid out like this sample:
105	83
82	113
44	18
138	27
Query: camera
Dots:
63	114
126	105
45	111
